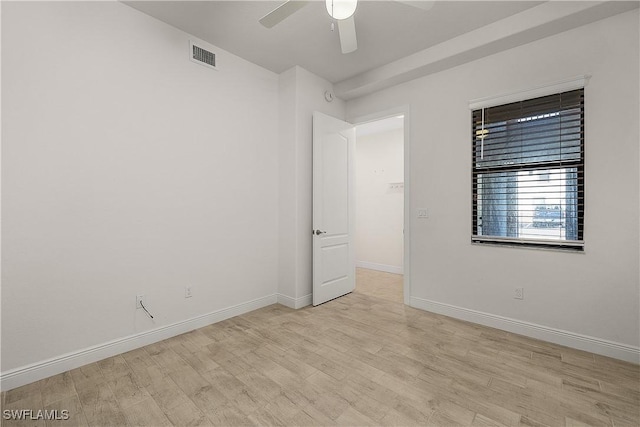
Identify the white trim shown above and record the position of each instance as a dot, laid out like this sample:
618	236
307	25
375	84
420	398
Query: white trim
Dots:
406	262
46	368
295	303
391	112
548	242
558	336
573	83
380	267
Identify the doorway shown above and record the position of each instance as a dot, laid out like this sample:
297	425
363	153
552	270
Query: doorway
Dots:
380	208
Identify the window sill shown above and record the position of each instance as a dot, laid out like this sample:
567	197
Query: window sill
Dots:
577	249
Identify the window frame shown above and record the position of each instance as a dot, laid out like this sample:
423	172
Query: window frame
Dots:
557	88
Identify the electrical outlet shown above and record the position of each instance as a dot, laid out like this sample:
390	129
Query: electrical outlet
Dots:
139	299
187	292
422	213
519	293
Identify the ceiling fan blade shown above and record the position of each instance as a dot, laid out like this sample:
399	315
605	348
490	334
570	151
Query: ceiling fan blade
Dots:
282	12
347	30
420	4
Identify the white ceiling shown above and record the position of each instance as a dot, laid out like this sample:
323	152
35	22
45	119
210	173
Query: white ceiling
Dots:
380	126
386	30
396	42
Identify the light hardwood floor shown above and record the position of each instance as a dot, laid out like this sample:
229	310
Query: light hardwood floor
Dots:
377	284
357	360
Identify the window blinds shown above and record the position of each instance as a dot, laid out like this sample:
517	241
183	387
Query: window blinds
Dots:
528	171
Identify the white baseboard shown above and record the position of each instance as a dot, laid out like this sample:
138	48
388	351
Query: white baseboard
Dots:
558	336
44	369
380	267
295	303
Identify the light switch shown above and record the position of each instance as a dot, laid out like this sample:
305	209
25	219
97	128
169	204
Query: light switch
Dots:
422	213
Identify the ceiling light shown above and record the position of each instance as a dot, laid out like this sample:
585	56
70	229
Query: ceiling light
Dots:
341	9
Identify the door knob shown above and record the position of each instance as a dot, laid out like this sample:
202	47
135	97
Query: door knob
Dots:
318	232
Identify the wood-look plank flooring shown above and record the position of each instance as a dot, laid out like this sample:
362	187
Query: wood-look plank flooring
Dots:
378	284
357	360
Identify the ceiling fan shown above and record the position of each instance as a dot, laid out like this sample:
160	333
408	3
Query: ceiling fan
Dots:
340	10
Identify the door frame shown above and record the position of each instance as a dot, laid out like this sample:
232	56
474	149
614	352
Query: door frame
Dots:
385	114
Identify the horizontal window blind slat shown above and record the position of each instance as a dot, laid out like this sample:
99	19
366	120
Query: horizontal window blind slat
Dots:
528	166
518	138
569	118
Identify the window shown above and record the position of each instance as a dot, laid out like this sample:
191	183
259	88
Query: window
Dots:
528	172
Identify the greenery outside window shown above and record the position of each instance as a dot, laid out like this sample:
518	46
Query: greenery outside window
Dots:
528	172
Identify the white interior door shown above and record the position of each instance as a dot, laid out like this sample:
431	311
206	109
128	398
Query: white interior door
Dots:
334	271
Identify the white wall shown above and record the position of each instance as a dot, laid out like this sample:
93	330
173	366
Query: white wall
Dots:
306	92
595	296
287	179
379	207
127	169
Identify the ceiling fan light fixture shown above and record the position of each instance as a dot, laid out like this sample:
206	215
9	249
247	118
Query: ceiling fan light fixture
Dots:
341	9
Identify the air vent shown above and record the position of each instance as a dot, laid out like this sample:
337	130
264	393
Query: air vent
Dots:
202	56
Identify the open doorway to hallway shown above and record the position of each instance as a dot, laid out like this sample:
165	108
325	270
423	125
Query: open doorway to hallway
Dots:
379	239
